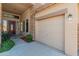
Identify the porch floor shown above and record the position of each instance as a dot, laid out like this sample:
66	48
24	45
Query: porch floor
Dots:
22	48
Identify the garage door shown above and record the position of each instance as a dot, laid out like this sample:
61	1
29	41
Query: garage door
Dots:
51	32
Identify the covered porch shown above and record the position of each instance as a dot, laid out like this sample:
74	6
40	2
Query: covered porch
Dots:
53	29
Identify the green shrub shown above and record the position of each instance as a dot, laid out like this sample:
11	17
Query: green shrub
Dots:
5	36
29	38
7	45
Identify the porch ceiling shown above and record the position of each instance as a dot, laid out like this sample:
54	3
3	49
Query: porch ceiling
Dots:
20	8
17	8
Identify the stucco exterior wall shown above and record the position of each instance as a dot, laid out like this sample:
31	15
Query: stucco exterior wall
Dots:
71	30
28	14
70	25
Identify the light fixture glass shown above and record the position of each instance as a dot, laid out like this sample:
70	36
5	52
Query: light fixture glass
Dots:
70	16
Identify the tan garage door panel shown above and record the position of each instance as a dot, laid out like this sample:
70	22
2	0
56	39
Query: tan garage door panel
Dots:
51	32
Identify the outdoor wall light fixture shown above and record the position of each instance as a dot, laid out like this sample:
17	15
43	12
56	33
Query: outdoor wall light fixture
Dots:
70	16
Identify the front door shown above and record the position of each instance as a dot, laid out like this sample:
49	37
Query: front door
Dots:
12	27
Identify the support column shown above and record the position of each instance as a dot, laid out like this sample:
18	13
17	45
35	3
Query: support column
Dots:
71	29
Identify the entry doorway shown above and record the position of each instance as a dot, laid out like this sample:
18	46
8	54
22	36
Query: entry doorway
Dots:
12	27
9	26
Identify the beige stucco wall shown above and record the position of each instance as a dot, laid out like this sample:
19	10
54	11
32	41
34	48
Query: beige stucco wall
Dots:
71	30
28	14
70	25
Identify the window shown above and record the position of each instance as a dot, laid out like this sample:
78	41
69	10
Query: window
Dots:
27	25
23	26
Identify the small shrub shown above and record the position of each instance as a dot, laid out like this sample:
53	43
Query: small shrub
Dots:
29	38
7	45
5	36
